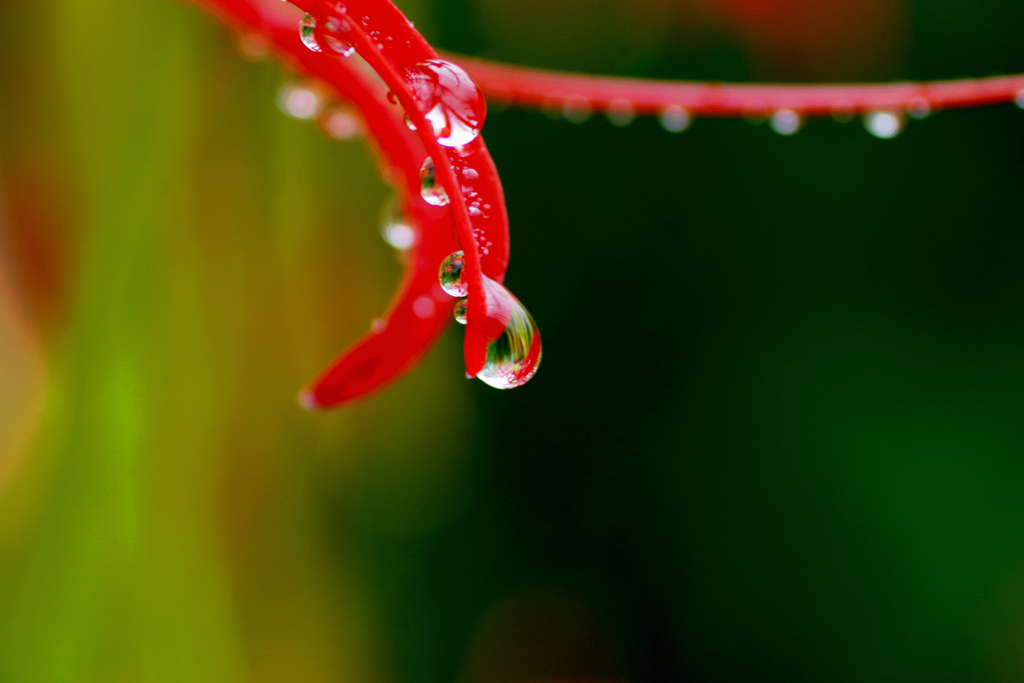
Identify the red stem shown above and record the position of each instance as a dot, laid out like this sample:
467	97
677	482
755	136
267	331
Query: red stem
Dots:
528	87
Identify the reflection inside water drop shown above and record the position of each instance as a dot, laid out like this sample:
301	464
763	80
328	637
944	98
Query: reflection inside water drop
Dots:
512	358
431	191
306	29
333	27
450	274
449	99
461	306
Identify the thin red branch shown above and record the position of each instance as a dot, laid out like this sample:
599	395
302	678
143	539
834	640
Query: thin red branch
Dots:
528	87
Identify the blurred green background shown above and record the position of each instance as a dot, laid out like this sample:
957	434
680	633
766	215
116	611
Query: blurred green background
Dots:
778	434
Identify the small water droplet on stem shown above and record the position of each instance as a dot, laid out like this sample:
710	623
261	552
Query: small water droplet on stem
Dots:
461	306
306	28
883	124
786	122
674	119
432	192
450	275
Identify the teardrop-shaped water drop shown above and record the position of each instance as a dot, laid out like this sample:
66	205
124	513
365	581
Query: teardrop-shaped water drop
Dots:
461	306
306	28
512	358
450	274
431	191
450	100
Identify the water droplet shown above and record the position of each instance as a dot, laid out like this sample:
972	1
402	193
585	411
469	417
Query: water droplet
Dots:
431	191
424	307
620	113
395	229
333	28
342	124
379	325
450	274
306	398
512	358
299	102
576	109
1019	99
409	124
306	28
674	119
883	124
786	122
919	108
449	99
461	306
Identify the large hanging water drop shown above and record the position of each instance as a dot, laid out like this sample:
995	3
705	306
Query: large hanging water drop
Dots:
306	28
512	358
431	191
450	274
449	99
